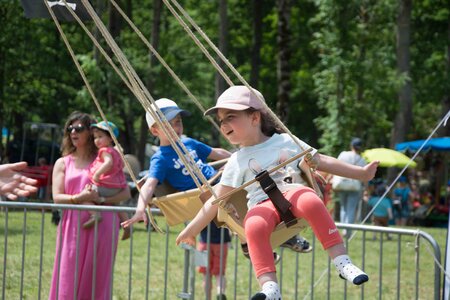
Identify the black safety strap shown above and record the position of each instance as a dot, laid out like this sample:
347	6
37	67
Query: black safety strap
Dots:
281	204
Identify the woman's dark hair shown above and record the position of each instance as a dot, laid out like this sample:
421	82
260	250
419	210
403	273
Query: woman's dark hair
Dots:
268	125
85	119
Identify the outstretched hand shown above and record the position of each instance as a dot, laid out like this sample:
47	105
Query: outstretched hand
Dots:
370	170
185	238
138	216
14	184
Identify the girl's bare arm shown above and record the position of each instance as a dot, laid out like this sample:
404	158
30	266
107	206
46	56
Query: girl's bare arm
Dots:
337	167
203	217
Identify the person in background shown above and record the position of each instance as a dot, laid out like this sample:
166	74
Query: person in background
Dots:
106	172
383	207
415	195
13	184
166	165
44	166
402	202
79	251
349	191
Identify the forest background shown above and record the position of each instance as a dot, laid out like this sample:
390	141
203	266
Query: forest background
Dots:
331	70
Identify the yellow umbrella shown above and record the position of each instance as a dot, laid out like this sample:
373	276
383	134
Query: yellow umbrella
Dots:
388	158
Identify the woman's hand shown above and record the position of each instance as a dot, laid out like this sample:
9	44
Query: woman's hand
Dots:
138	216
185	237
88	194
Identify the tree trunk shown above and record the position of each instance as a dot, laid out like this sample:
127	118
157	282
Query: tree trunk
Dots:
223	47
403	118
114	28
96	33
404	115
2	112
445	103
257	42
284	53
154	39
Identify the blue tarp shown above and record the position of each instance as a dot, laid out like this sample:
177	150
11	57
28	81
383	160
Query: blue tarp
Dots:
438	144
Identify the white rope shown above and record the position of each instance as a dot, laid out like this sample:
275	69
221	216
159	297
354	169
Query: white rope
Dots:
199	44
164	63
72	54
142	94
441	267
138	88
443	121
226	61
136	91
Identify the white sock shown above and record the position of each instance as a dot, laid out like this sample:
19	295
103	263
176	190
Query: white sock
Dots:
271	290
219	285
349	271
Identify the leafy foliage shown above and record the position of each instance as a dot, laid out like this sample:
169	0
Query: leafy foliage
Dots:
343	67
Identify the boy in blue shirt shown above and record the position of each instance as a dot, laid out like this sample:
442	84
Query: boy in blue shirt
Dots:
166	165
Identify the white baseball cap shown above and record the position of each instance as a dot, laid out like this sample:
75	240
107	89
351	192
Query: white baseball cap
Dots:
169	108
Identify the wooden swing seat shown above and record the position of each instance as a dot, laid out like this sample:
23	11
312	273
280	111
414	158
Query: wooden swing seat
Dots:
232	212
180	207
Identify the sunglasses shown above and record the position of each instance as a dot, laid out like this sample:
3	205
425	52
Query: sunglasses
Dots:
79	128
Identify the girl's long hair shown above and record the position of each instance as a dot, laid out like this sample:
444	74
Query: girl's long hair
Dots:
268	125
67	145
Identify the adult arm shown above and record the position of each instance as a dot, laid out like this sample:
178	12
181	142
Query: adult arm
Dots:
59	194
203	217
14	184
145	196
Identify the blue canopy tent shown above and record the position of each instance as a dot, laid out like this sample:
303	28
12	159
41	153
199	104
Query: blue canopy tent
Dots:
441	144
437	144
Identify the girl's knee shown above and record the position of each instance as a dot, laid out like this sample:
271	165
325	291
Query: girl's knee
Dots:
257	226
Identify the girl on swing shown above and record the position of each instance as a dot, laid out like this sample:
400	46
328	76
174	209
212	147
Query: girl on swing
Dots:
244	121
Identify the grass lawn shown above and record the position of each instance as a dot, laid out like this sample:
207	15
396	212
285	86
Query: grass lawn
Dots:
131	266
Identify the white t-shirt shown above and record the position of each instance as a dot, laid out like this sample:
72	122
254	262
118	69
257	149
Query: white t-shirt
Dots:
277	149
352	158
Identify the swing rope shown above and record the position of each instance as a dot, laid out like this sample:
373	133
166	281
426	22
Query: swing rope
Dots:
442	122
142	94
160	117
136	90
140	91
164	63
228	64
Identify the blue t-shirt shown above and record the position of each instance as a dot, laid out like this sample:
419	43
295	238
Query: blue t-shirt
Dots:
402	193
166	165
215	234
382	208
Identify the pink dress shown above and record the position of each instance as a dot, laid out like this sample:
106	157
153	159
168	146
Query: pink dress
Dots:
114	178
67	284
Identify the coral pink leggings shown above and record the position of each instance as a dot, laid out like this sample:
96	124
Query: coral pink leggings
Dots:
262	219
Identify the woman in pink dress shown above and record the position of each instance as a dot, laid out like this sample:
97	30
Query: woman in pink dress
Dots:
73	271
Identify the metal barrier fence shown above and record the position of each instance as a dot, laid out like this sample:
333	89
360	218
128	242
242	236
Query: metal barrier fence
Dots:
150	266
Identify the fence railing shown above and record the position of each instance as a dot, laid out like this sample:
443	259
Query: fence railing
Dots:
150	266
